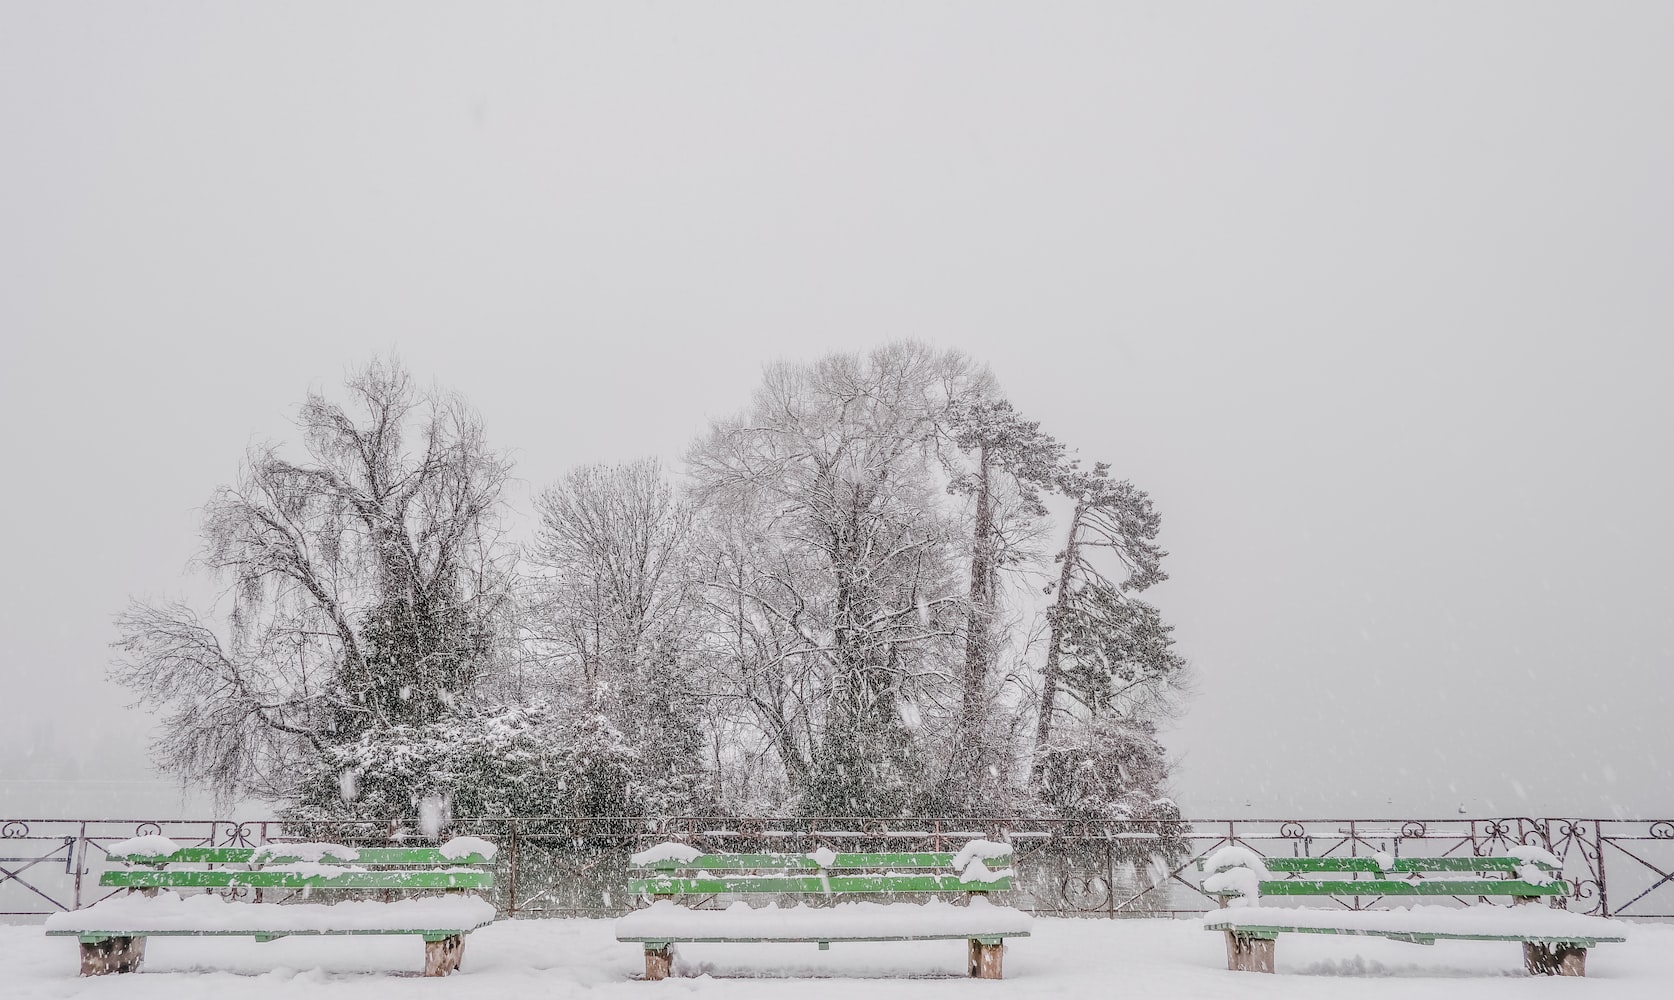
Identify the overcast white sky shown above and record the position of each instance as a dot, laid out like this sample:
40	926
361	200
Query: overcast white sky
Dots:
1375	299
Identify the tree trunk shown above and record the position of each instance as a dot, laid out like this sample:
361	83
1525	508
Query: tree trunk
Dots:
980	617
1054	635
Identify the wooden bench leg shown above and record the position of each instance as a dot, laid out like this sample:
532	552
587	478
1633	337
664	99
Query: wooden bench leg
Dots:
986	959
112	954
442	956
1554	959
659	961
1249	954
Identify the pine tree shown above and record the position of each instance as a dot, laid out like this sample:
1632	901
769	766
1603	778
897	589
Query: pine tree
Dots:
1004	447
1108	652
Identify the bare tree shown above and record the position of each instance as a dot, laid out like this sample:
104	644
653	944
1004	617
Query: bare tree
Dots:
610	544
364	582
840	558
614	606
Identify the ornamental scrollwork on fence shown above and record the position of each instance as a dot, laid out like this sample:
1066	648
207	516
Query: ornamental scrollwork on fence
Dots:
236	835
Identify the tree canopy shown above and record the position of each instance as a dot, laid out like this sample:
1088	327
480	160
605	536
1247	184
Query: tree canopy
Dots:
833	606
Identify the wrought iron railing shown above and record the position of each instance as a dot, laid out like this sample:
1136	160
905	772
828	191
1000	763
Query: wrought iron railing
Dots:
568	866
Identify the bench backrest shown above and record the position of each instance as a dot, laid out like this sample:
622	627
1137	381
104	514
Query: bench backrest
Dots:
822	873
275	867
1508	876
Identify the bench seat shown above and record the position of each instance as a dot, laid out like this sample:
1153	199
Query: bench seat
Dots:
170	914
936	920
1555	941
672	871
113	931
1423	924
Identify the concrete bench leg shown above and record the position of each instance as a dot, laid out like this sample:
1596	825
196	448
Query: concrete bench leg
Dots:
1249	954
442	956
112	954
658	961
986	959
1554	959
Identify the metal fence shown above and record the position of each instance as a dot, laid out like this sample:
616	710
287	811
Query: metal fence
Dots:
552	866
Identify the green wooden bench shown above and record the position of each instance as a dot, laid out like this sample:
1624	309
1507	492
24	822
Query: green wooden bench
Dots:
1555	942
675	871
431	882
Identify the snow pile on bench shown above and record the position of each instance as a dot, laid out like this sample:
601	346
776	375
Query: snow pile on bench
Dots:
309	869
170	913
1235	869
1537	864
1531	922
969	861
1246	883
980	850
976	871
1235	856
670	851
312	852
463	847
666	921
150	846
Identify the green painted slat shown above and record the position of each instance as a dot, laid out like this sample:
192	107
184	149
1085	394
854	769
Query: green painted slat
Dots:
1390	887
1370	865
368	856
140	878
705	886
1401	865
794	862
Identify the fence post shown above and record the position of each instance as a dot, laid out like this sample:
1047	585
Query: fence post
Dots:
1354	852
81	859
1109	876
511	892
1603	889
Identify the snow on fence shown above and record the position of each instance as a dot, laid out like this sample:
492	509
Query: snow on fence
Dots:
569	866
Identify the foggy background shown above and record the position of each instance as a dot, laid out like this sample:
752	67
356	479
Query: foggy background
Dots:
1374	299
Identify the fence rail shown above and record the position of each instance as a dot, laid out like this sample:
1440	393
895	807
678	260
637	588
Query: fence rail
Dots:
569	866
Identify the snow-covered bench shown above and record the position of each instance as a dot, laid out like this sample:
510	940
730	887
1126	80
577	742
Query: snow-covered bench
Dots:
113	931
668	871
1555	942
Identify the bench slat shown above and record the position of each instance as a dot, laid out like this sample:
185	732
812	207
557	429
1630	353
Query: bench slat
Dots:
813	885
793	862
367	856
1370	865
141	878
1393	887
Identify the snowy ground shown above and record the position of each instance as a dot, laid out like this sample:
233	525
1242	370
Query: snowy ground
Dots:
1068	959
